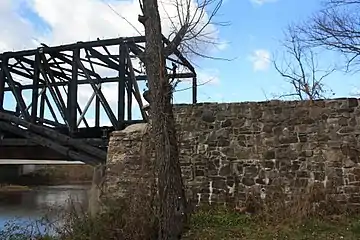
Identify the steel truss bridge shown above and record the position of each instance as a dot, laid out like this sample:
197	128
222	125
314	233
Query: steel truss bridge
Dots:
46	85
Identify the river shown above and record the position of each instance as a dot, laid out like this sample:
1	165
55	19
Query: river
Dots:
24	206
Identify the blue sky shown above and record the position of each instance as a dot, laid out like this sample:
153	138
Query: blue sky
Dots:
260	26
255	30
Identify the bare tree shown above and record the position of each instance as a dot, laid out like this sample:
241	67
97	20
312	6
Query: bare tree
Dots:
301	69
337	27
172	212
193	25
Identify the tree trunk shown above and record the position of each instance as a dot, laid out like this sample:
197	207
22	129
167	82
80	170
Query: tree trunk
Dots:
172	215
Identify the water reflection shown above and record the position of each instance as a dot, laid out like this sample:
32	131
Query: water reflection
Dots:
33	204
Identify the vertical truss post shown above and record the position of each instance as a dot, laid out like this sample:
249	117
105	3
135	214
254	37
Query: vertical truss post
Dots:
129	98
35	88
97	110
72	92
121	83
194	90
2	86
129	87
42	105
137	95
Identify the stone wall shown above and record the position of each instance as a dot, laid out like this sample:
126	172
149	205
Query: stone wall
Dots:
227	149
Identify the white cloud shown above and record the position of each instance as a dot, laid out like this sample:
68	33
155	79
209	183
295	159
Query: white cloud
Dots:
355	91
261	2
260	59
16	33
209	77
82	20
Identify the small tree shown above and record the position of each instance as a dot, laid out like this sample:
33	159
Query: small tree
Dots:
193	20
300	68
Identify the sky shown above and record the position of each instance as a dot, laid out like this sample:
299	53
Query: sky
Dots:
249	42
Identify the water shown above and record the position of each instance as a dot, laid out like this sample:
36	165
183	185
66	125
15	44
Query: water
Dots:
34	204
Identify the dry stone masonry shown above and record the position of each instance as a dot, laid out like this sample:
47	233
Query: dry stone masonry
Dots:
228	149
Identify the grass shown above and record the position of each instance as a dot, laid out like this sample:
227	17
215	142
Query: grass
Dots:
310	213
205	224
216	222
225	224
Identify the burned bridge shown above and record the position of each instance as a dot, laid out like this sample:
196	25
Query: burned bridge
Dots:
61	103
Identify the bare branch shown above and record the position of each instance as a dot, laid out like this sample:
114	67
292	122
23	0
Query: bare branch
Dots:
336	27
302	70
118	14
192	24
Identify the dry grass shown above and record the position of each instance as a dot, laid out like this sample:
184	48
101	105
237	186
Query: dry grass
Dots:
311	213
279	206
122	219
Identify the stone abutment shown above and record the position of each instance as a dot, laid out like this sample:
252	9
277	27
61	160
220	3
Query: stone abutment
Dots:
229	149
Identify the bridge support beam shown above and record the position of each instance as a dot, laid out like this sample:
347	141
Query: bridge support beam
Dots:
121	85
2	88
72	93
35	90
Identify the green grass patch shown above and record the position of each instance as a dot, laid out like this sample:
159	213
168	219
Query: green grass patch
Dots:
226	224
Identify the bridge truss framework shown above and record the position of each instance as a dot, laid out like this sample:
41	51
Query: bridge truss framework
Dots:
54	75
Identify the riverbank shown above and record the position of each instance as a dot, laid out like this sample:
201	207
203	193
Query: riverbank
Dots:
49	175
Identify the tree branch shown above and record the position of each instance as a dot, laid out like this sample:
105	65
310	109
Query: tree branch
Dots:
169	49
301	68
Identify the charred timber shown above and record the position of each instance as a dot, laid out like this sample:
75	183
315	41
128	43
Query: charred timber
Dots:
52	135
66	151
103	80
70	47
